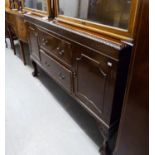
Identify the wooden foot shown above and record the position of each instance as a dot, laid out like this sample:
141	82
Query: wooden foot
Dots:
35	72
11	40
107	146
13	45
6	43
22	52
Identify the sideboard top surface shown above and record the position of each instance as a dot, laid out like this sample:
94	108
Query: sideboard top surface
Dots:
109	46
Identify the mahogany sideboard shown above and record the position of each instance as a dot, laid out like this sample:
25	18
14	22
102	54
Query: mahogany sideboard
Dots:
92	70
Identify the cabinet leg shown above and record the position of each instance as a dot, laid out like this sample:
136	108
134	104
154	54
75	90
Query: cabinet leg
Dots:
107	146
22	52
13	45
6	43
11	41
35	72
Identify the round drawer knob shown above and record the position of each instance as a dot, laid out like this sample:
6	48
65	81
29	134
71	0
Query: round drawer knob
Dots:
58	48
61	76
61	53
109	64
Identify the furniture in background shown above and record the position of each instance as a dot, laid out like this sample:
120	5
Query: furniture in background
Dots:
7	4
9	33
15	21
39	7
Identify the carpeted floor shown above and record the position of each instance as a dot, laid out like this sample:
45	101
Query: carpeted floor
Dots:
41	119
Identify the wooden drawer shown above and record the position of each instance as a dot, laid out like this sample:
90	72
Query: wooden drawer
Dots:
58	48
58	72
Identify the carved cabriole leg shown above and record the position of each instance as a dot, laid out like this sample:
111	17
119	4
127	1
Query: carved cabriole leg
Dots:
106	147
35	72
6	43
12	41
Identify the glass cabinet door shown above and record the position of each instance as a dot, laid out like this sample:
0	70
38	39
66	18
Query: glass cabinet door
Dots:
36	4
108	12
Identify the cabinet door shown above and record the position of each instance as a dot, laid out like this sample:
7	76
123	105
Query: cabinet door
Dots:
33	42
95	83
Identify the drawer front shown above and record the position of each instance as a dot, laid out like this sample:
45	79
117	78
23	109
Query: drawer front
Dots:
58	72
58	48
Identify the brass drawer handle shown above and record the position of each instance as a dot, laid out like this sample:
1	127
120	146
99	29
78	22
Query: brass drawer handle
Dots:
61	53
48	65
109	64
61	76
44	41
58	48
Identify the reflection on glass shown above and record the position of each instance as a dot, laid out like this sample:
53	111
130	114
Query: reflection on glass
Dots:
36	4
109	12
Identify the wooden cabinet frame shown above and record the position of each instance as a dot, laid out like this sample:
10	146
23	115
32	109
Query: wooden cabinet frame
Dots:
95	74
42	13
111	31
